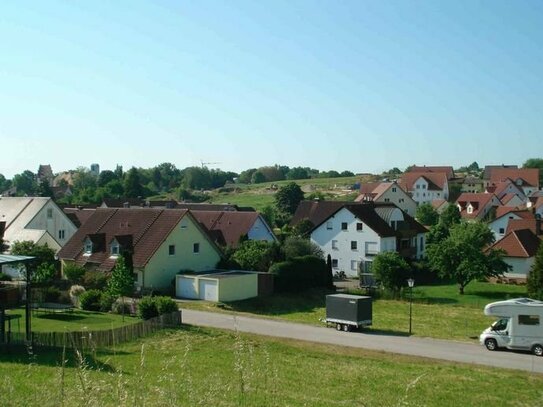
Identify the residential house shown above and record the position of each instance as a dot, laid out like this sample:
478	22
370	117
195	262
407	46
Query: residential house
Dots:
476	206
446	169
506	187
387	192
527	179
425	187
354	233
473	185
439	205
512	200
499	226
36	219
520	247
228	228
535	203
162	242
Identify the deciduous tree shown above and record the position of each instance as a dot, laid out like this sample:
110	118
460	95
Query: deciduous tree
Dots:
534	282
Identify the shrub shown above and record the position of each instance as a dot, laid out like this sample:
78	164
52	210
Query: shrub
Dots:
73	272
165	305
300	273
106	301
90	300
75	292
94	280
147	308
50	294
4	277
120	307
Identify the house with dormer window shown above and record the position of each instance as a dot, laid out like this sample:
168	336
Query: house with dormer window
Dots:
476	206
161	242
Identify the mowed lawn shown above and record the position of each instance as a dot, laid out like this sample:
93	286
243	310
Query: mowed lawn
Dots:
437	312
77	320
207	367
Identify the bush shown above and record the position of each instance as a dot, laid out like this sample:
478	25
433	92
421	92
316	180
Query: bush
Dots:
121	308
147	308
165	305
300	273
106	301
94	280
75	293
4	277
50	294
73	272
90	300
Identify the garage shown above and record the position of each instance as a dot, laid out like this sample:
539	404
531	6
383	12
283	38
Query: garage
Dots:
218	285
187	287
208	289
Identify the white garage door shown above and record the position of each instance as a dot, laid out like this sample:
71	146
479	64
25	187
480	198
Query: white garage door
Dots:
208	290
186	287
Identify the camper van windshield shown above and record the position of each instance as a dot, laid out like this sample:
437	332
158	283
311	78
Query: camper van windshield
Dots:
500	324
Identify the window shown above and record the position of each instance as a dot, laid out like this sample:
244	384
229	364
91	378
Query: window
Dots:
393	189
114	249
421	245
359	226
49	213
88	246
401	200
418	186
184	224
171	249
469	209
424	186
528	319
502	231
334	244
196	248
334	263
354	265
387	200
343	225
354	245
61	234
329	225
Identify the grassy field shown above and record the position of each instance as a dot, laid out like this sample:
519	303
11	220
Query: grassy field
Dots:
78	320
206	367
438	311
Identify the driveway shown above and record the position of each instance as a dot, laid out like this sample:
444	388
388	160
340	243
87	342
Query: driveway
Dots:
414	346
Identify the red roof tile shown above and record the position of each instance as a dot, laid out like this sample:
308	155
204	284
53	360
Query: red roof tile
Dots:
436	180
447	169
519	224
529	175
478	201
518	243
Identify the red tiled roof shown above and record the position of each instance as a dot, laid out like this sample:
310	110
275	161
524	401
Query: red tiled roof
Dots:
478	201
529	175
436	180
147	227
78	216
226	227
507	197
447	169
518	243
501	188
489	168
508	210
519	224
436	203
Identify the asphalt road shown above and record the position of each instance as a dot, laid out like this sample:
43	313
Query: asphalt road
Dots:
425	347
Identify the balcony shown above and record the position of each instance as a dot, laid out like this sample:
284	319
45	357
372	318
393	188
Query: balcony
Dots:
370	253
408	252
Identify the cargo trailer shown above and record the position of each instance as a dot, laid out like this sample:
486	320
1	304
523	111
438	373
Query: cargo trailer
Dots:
348	312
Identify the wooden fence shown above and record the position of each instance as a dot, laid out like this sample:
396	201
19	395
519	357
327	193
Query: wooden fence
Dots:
100	339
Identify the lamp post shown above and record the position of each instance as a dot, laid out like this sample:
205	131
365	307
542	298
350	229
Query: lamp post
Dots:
410	283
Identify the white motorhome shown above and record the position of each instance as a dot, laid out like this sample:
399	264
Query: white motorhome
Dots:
520	325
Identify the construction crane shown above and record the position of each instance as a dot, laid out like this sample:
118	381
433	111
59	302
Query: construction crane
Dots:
205	164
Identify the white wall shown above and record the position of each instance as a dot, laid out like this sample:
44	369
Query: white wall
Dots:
421	194
521	266
501	223
57	222
348	259
260	231
400	198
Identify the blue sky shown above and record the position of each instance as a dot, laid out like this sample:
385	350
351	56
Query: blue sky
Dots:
357	85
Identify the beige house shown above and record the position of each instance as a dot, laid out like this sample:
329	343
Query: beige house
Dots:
162	243
387	192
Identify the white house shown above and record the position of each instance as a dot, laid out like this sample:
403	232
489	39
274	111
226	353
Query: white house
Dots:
476	206
425	187
520	247
499	225
355	233
387	192
35	219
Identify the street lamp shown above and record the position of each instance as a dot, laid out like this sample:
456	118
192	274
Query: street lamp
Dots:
410	283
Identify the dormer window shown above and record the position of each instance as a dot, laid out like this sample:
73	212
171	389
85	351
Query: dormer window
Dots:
87	246
469	209
114	249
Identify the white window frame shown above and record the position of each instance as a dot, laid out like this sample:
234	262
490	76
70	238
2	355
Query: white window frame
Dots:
334	245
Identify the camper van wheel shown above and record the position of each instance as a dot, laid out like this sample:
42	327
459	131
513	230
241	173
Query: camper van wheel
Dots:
537	350
346	327
338	327
491	344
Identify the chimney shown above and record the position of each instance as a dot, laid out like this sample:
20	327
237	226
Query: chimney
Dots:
126	205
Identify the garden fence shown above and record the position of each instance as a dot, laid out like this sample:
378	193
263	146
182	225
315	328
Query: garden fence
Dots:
100	339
